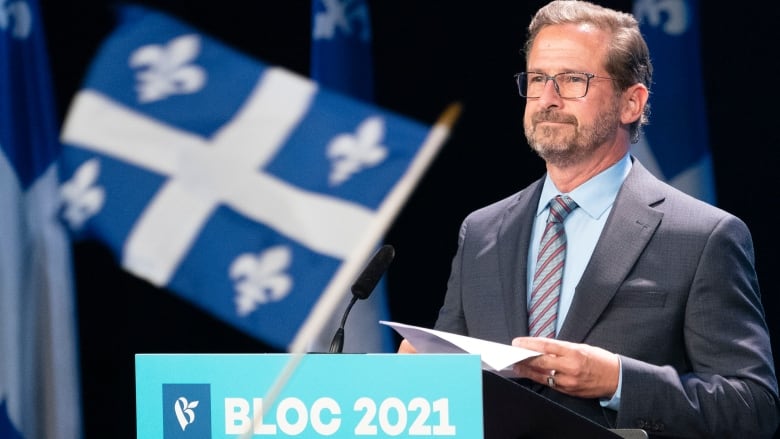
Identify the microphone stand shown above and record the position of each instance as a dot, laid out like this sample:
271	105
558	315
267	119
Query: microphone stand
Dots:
337	344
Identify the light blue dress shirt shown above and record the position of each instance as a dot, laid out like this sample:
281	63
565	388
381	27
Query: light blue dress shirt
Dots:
583	227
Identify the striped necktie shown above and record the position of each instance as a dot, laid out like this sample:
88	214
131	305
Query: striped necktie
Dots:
549	270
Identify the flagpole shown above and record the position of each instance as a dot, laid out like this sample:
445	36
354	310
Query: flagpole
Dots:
334	293
387	212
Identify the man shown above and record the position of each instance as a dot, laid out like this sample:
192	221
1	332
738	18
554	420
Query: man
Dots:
657	321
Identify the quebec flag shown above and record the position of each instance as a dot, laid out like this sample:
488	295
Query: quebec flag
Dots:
39	382
675	144
341	47
242	187
341	60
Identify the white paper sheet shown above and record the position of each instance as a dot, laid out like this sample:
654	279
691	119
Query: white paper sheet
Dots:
495	356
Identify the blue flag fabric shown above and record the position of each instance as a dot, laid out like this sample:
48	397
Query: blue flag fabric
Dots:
39	383
341	47
242	187
341	60
675	144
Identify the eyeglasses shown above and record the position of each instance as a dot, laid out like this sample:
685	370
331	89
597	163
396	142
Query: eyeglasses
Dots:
568	85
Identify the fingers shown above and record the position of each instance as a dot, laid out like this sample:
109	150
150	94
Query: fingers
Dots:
539	367
575	369
551	379
542	345
536	369
406	348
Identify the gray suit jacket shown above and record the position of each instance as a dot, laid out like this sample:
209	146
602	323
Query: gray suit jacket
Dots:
671	287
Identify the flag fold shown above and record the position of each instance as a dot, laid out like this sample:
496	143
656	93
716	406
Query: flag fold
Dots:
39	379
675	145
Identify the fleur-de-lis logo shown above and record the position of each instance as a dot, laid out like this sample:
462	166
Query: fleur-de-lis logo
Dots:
82	198
350	153
261	278
168	70
675	11
342	15
185	411
18	14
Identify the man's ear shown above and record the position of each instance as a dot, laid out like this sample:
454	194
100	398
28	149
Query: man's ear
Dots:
634	101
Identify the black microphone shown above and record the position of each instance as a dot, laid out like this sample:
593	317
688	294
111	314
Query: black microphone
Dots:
363	287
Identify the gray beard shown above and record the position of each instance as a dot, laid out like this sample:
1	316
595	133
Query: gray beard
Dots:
587	139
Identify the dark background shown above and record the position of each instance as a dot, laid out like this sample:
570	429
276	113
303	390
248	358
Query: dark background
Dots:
428	53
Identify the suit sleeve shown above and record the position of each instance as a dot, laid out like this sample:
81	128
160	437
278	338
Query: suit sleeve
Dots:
731	384
451	316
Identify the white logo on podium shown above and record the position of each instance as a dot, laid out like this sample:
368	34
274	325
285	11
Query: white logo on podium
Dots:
185	412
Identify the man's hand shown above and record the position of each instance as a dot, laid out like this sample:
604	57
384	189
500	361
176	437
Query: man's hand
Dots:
576	369
406	348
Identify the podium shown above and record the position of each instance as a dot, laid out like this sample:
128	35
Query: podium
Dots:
188	396
512	411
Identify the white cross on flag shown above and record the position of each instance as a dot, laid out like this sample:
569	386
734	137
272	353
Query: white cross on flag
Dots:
242	187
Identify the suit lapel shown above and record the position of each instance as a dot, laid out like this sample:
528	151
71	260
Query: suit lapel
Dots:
631	224
513	239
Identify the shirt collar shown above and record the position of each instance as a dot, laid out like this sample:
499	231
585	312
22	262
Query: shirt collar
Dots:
594	196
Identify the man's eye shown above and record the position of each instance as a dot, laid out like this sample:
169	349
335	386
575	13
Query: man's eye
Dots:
572	78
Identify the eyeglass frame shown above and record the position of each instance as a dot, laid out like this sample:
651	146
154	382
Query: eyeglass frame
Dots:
557	88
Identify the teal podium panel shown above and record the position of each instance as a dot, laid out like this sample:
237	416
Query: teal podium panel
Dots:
197	396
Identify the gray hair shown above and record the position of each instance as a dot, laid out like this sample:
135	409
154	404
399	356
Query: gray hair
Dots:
628	58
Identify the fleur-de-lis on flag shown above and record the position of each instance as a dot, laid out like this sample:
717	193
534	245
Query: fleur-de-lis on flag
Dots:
168	70
17	17
351	153
261	278
82	198
347	16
